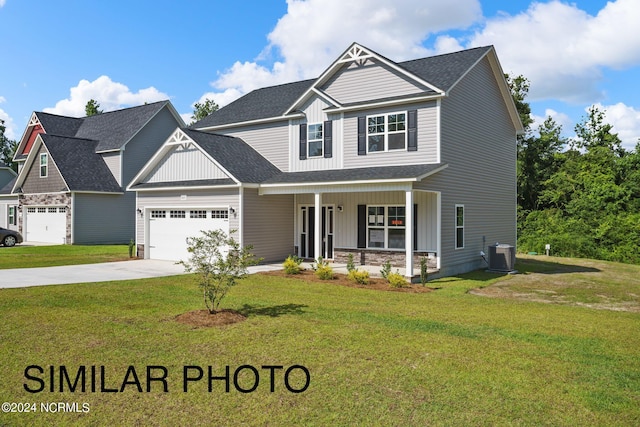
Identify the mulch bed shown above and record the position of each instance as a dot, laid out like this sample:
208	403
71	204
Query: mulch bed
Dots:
375	283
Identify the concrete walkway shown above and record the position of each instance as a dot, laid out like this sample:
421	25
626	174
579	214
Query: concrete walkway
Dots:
85	273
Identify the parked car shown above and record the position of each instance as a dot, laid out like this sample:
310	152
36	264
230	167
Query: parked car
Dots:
9	237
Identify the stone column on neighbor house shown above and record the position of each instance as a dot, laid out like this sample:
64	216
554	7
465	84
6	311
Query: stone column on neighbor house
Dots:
317	244
408	233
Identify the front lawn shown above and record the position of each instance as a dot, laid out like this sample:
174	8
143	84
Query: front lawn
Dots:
446	357
49	256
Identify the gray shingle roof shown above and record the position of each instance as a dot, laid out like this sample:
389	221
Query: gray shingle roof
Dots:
236	156
9	186
81	167
260	104
442	71
355	174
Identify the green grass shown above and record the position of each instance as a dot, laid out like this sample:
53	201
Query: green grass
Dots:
375	358
49	256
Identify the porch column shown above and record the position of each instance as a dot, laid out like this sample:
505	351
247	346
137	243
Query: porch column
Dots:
317	242
408	234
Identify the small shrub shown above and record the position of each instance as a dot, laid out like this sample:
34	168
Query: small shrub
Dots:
351	266
423	271
324	271
292	265
386	269
359	276
397	280
132	245
319	263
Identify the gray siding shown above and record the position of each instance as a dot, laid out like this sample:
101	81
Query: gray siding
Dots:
371	80
184	164
268	225
53	183
479	145
427	139
188	199
113	161
271	140
140	149
103	218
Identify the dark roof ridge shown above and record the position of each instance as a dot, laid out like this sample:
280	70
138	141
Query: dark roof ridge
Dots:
441	55
123	109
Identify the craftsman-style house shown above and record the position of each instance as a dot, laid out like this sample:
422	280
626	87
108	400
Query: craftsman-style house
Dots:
379	159
73	172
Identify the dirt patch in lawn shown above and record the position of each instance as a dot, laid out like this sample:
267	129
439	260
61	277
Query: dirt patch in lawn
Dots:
204	319
375	283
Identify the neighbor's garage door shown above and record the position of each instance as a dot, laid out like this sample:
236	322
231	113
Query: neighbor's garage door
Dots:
169	229
46	224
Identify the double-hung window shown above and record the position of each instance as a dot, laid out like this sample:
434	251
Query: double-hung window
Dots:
12	215
459	226
44	165
315	140
386	227
387	132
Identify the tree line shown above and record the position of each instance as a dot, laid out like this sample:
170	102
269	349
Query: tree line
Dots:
580	195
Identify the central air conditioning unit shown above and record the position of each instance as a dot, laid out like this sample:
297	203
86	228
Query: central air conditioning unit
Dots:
502	258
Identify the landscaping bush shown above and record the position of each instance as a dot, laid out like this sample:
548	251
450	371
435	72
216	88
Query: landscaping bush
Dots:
386	269
397	280
292	265
359	276
351	266
423	271
324	271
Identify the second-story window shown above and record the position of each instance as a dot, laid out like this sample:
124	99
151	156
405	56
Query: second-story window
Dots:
386	132
44	163
315	141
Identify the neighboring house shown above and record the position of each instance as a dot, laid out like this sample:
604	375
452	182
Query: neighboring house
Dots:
73	173
378	159
8	203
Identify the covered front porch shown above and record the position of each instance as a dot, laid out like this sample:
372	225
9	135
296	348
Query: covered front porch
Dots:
374	221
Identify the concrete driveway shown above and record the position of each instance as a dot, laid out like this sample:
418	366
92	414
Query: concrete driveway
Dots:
123	270
86	273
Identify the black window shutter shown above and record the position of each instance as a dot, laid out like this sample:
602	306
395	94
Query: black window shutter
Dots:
328	139
303	141
362	226
362	136
415	227
412	142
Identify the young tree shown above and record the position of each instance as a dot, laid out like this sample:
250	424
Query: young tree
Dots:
219	262
7	148
202	110
92	108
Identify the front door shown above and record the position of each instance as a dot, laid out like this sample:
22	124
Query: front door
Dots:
307	222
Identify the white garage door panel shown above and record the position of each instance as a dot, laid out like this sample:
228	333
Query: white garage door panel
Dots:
168	236
46	225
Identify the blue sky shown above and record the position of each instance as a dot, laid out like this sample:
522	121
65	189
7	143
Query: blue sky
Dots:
56	55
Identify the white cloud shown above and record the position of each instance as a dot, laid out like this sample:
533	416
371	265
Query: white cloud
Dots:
625	121
561	49
311	35
10	131
109	94
2	2
561	119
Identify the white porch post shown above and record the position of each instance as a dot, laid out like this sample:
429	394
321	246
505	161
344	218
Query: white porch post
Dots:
317	242
408	234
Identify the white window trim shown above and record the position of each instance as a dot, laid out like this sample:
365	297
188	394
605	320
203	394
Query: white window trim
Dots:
386	226
309	140
12	215
456	226
46	165
386	131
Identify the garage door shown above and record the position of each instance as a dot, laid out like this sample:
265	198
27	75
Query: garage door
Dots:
46	224
169	229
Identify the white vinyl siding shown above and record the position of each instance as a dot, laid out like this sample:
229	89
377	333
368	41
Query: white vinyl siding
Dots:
369	81
185	164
